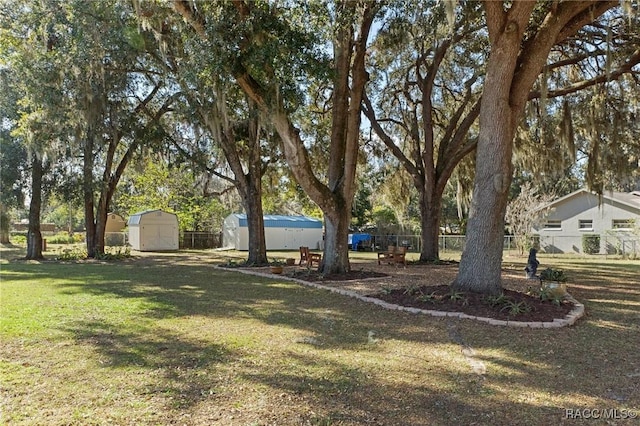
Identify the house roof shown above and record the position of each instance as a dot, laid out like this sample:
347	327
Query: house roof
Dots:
629	199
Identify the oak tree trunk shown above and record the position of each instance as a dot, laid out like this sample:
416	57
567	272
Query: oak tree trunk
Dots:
101	224
480	266
4	226
255	223
336	242
430	224
87	190
34	236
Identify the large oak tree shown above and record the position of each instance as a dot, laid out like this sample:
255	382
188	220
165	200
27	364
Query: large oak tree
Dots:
260	31
424	98
521	35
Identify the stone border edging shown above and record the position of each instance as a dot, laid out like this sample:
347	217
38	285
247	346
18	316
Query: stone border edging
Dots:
569	319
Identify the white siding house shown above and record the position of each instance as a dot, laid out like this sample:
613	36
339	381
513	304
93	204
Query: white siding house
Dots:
153	230
280	232
614	216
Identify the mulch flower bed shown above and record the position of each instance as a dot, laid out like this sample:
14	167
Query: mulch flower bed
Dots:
426	286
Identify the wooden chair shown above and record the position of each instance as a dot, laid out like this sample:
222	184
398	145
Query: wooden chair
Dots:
393	255
386	255
307	258
400	255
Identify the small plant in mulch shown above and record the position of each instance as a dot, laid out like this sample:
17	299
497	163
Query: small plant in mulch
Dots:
547	294
120	253
386	290
231	263
456	296
413	289
498	300
508	304
302	273
551	274
430	298
514	308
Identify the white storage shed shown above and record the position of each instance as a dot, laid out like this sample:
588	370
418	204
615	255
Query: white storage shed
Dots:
280	232
153	230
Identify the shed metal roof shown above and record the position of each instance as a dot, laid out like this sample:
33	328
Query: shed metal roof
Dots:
283	221
135	218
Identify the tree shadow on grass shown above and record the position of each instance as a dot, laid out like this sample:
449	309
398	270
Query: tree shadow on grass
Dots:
174	291
174	363
429	394
548	362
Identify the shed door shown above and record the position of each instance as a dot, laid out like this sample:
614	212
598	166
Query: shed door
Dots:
293	238
158	237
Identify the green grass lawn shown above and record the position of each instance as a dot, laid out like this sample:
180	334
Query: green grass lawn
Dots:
170	339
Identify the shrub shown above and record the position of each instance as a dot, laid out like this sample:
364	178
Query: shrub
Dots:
120	253
20	239
61	238
115	239
591	243
534	242
75	253
550	274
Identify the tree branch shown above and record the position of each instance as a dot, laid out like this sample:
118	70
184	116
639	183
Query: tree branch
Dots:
183	7
613	75
587	15
368	111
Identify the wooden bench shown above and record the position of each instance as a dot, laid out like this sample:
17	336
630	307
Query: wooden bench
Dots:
307	257
393	255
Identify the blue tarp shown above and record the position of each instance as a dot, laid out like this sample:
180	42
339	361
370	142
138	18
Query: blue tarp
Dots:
354	239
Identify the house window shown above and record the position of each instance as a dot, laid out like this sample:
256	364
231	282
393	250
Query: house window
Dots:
622	224
585	224
553	224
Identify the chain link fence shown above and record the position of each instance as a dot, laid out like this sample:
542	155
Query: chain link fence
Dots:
188	239
200	240
624	245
